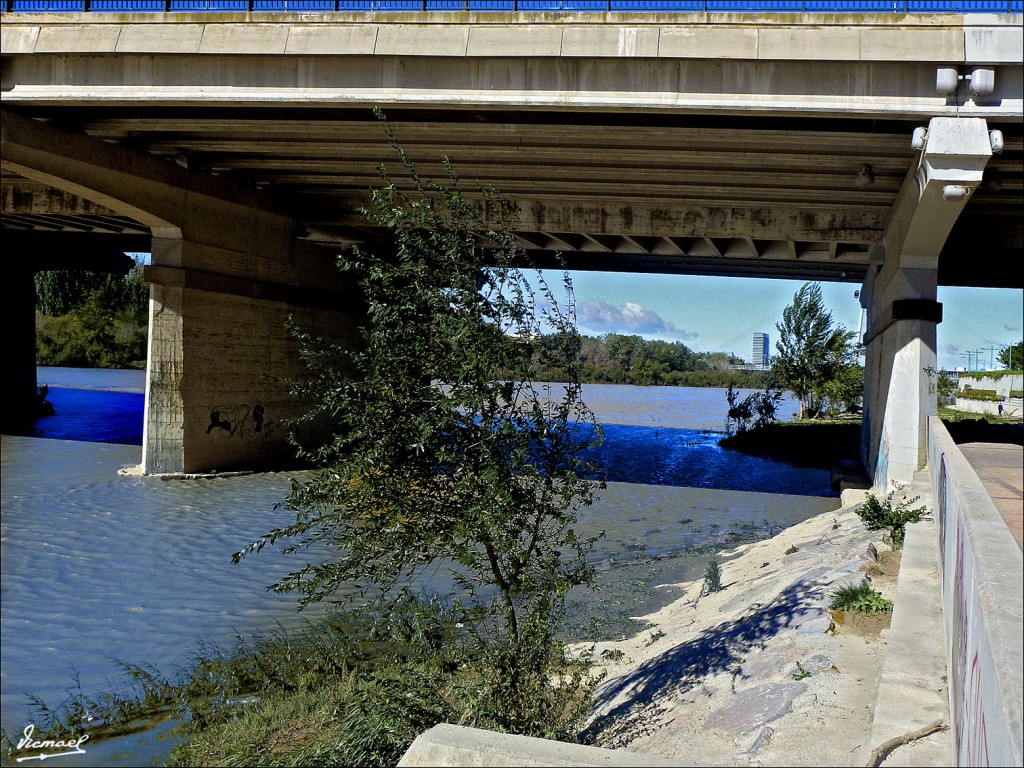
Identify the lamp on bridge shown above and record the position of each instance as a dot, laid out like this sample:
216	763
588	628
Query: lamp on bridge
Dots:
865	176
982	80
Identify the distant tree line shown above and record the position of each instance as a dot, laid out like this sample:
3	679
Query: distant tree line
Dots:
91	319
628	359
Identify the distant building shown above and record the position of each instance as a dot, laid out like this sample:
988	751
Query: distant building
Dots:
759	355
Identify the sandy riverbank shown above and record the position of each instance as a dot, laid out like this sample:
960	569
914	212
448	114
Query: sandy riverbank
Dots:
759	673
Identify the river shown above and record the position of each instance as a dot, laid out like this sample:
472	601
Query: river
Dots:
98	566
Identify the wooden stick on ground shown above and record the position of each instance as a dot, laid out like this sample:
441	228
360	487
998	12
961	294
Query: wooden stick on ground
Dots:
883	750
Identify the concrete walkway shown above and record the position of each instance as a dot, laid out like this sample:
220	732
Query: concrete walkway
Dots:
1001	469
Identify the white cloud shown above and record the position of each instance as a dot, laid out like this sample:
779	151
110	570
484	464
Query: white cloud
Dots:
601	317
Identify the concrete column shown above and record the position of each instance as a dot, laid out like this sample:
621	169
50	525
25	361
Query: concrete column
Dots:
221	358
900	376
900	381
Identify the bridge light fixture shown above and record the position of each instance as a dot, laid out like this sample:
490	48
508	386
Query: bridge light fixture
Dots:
865	176
983	81
955	192
919	138
995	138
946	80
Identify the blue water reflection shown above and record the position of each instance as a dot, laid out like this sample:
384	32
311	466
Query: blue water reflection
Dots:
98	416
692	458
650	455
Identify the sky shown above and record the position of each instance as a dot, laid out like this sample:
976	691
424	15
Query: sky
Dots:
721	314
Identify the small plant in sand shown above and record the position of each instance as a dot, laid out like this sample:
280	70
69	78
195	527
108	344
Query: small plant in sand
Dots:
800	673
654	637
891	514
792	551
712	578
859	597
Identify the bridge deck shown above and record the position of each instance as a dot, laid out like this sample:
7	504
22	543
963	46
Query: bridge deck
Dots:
1001	469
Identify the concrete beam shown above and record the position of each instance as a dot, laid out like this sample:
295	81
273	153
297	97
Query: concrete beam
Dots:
900	296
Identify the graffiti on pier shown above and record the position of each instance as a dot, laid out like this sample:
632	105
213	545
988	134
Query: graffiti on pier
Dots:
242	420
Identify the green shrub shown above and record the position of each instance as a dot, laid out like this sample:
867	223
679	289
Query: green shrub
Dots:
989	395
890	514
712	578
859	597
792	551
1017	393
995	375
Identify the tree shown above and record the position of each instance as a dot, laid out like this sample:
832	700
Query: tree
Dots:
91	318
1012	356
811	352
435	462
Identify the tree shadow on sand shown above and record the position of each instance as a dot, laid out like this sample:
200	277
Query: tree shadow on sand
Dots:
721	648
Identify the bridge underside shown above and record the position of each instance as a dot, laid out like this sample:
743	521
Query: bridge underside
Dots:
780	148
678	194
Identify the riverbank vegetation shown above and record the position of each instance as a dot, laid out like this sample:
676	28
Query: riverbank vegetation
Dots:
91	319
817	443
629	359
816	360
436	463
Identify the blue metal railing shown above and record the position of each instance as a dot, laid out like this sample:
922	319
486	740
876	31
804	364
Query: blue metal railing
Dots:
557	6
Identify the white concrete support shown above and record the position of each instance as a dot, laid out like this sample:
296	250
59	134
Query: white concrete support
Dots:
900	296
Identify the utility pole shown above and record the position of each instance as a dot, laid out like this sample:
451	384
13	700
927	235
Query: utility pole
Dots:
992	356
968	356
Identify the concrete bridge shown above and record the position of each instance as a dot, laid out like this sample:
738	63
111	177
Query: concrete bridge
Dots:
880	148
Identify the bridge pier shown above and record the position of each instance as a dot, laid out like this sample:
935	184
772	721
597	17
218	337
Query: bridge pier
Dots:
228	269
900	376
220	355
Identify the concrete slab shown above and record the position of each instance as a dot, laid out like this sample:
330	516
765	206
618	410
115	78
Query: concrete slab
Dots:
593	41
421	40
18	39
160	38
326	39
994	45
77	39
1001	469
456	745
244	38
907	44
912	687
520	40
708	43
807	44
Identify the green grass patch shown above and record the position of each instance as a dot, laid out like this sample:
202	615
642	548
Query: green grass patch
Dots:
859	597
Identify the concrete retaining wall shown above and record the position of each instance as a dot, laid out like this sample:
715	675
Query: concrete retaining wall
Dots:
982	575
1002	385
1011	408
